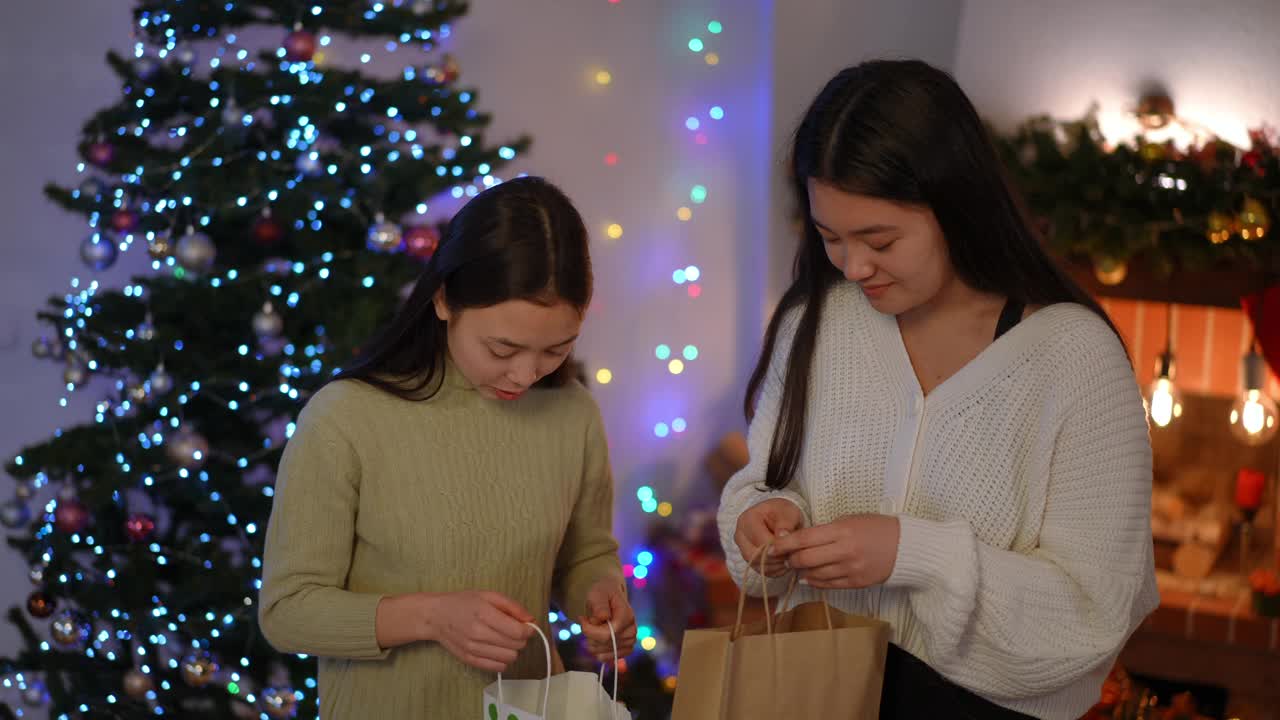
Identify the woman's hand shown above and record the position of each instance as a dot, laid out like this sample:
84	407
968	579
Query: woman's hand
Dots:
765	523
853	552
484	630
607	602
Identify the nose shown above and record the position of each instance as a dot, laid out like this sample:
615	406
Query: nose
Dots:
523	372
857	265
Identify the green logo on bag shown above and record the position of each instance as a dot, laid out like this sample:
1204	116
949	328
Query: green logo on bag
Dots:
493	711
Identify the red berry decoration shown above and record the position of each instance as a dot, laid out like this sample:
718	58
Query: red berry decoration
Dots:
421	241
139	526
101	153
71	516
299	46
124	220
267	231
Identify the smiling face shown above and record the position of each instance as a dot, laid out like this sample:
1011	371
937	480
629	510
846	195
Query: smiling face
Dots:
504	349
896	253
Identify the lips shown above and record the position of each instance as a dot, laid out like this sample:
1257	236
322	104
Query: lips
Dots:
875	290
506	394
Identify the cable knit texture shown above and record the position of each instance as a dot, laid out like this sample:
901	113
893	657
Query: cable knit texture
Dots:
379	496
1022	483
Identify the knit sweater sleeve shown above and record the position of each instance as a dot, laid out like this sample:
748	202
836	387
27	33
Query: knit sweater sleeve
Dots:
1019	625
589	552
304	606
746	488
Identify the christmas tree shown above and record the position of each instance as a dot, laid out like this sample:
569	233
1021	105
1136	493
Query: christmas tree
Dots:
285	199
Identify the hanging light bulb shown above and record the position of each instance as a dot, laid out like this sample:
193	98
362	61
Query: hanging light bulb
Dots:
1253	414
1165	402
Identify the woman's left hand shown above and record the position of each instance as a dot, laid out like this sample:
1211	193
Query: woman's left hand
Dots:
856	551
607	602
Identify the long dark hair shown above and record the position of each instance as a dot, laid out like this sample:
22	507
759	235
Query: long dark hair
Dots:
519	240
902	131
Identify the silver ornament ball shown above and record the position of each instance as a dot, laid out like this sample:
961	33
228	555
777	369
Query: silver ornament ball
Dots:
161	381
92	187
308	163
99	251
36	575
384	236
279	703
186	55
137	684
75	374
146	67
196	252
42	348
15	514
188	449
34	695
267	322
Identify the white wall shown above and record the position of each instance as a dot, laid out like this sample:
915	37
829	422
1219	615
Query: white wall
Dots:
52	70
1217	59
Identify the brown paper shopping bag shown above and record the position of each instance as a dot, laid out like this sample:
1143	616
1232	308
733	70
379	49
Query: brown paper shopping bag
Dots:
809	663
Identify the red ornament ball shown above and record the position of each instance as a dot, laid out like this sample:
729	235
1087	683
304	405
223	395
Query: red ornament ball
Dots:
299	46
124	220
139	526
71	516
421	241
101	153
267	231
41	605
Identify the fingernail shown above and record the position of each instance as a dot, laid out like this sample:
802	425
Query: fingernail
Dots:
783	533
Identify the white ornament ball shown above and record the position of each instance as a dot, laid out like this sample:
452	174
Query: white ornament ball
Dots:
384	236
196	252
268	323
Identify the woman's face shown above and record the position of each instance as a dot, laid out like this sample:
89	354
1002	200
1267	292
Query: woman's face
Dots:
896	253
504	349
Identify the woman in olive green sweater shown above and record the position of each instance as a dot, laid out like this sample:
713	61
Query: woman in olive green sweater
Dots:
440	492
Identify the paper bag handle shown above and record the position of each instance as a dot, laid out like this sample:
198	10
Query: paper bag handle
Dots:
546	688
760	558
613	708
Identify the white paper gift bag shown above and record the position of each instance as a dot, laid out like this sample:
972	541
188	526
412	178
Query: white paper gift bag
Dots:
567	696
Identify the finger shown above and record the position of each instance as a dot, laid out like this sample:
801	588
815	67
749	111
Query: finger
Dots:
825	573
840	583
594	633
621	610
506	626
494	652
489	635
480	661
508	606
803	538
817	556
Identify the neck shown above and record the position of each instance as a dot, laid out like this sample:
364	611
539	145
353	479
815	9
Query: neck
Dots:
955	301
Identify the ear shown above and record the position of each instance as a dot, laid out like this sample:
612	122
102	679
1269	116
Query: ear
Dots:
442	307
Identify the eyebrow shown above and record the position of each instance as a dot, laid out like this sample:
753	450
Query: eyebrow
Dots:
517	346
867	230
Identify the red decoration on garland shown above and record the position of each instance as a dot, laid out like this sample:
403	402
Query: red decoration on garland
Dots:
267	231
124	220
71	516
421	241
139	527
299	46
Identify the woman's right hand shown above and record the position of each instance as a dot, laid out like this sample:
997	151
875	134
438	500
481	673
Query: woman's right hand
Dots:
762	524
485	630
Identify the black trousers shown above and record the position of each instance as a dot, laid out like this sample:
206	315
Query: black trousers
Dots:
915	691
